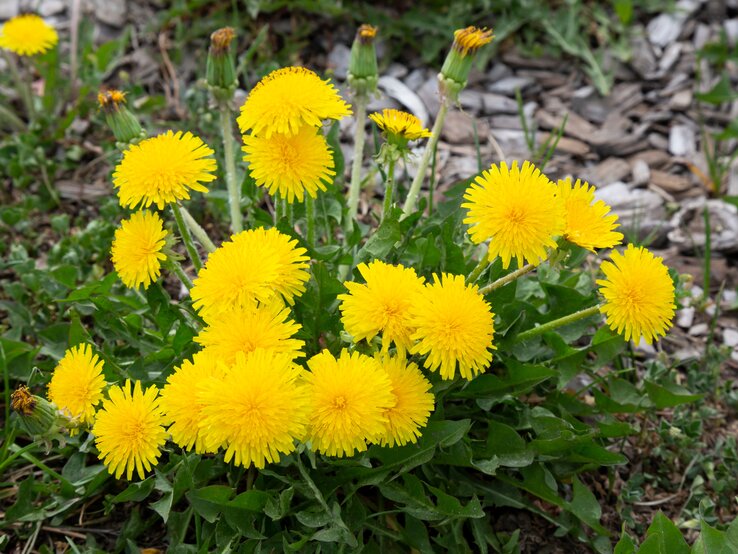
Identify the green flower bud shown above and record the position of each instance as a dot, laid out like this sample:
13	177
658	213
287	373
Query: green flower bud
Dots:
122	122
455	71
36	414
362	73
221	68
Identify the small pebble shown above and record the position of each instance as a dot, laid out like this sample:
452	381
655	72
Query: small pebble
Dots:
685	318
699	330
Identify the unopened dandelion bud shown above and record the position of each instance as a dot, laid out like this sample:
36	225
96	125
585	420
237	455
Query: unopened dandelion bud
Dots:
455	71
362	73
221	68
121	121
37	415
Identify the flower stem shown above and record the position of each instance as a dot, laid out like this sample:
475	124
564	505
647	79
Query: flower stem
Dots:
479	269
234	194
388	187
310	219
509	278
359	138
23	88
560	322
197	230
184	231
180	273
430	148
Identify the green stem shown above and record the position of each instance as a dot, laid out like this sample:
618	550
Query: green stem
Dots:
179	271
430	148
23	88
310	219
556	323
510	277
197	230
17	452
359	138
234	194
184	231
388	187
13	121
480	267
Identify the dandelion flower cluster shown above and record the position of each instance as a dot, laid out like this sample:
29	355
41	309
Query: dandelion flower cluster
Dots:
288	99
290	165
589	223
382	304
163	169
257	410
77	384
180	399
470	39
137	249
129	430
350	396
515	208
639	294
400	125
27	35
255	265
454	327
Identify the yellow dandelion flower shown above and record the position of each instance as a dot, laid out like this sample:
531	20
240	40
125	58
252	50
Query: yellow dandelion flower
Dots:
382	304
587	221
290	164
639	294
350	396
367	32
129	430
413	402
287	99
257	411
77	383
471	39
455	326
255	265
180	399
110	99
516	209
400	124
27	35
137	249
161	169
244	329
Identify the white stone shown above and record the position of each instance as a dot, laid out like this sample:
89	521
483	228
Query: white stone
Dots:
699	330
730	337
113	13
682	141
9	8
509	85
685	317
338	60
666	27
641	172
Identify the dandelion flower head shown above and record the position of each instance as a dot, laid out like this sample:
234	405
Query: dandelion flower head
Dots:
290	165
287	99
163	169
129	430
246	328
350	396
589	223
27	35
515	208
399	124
455	326
413	401
137	249
470	39
77	384
180	400
382	304
257	411
639	294
255	265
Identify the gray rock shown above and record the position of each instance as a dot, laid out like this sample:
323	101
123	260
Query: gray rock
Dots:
699	330
644	60
670	57
459	129
48	8
731	31
590	105
9	8
415	79
689	226
512	143
396	70
428	93
338	60
682	140
701	35
730	337
666	27
396	89
607	172
732	189
498	104
471	100
641	172
508	85
681	101
498	71
641	212
111	13
685	317
658	141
